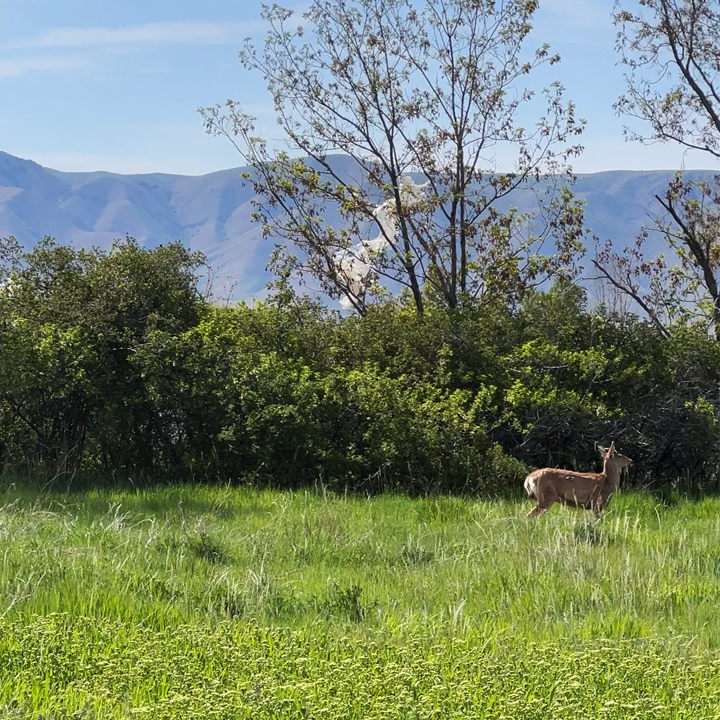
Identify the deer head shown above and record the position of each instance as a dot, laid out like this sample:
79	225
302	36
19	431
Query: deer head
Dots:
614	462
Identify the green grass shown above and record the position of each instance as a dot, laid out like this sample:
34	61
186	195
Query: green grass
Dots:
216	602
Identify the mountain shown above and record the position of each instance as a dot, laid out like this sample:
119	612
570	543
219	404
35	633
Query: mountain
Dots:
212	213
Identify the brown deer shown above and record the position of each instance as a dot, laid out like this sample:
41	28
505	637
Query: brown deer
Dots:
591	491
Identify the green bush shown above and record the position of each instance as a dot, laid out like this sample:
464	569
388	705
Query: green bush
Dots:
116	362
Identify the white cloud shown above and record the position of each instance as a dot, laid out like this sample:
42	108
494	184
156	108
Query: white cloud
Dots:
164	32
21	66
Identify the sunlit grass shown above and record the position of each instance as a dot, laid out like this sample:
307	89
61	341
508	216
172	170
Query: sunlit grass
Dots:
267	594
179	555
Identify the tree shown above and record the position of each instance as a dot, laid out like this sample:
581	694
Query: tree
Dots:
429	96
672	51
73	328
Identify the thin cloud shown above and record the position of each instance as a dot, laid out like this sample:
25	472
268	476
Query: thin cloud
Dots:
205	33
23	66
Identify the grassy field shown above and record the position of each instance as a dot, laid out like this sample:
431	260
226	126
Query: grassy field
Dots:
232	603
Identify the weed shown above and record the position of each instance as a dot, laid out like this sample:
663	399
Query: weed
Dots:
588	532
205	547
413	553
343	602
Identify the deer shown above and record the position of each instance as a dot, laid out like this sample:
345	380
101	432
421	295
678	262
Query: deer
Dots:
591	491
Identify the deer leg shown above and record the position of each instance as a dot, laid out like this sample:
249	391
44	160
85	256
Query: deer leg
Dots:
544	503
598	507
545	499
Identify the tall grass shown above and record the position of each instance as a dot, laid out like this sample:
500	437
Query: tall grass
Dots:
181	555
290	603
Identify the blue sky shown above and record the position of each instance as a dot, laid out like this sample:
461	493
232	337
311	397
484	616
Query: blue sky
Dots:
115	85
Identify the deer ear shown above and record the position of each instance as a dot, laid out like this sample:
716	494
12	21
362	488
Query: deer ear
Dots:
602	450
612	447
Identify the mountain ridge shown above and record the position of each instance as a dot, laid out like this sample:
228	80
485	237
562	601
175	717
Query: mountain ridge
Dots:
212	212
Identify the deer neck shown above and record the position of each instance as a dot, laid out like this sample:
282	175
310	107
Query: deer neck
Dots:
611	472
